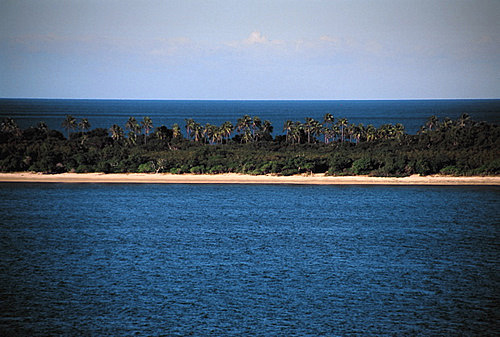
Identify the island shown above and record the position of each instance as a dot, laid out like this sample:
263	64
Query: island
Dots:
327	151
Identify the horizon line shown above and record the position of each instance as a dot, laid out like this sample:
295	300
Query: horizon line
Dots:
251	99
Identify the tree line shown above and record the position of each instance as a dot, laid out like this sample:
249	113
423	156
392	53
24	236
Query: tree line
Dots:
248	129
334	146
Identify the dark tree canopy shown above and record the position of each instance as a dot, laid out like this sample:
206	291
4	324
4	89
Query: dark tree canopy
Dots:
331	145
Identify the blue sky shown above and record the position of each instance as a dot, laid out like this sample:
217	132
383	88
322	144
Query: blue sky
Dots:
281	49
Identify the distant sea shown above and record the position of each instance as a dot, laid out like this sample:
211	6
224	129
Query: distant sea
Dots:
104	113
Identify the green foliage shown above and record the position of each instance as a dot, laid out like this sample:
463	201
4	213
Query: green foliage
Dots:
363	165
460	147
423	167
393	166
339	163
197	169
450	170
104	167
289	172
146	168
492	167
175	170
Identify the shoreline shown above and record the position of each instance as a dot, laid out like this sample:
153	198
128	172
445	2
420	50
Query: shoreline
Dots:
234	178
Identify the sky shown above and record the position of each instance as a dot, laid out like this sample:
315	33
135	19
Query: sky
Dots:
274	49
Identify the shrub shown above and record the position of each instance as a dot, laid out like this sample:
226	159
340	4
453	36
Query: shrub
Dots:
216	169
422	167
395	166
492	167
146	168
248	167
256	172
308	167
104	167
450	170
83	169
175	170
289	172
267	167
339	163
197	169
362	166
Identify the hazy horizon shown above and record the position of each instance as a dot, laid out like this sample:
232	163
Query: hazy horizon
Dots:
249	99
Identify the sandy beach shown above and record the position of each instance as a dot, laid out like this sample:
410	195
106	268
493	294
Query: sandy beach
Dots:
232	178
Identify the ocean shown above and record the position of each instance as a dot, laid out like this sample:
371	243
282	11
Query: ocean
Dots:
104	113
252	260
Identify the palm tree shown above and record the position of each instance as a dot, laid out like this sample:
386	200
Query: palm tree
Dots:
176	130
359	132
116	132
243	125
446	124
226	129
399	131
316	129
133	127
336	131
69	123
432	122
43	127
371	133
147	124
161	132
247	136
297	132
131	123
463	120
205	132
342	123
328	119
267	129
9	125
256	126
327	133
211	133
421	130
351	129
308	128
197	130
189	126
218	134
385	131
84	125
287	127
243	122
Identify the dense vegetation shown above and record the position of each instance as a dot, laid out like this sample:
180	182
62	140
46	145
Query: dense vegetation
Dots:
456	147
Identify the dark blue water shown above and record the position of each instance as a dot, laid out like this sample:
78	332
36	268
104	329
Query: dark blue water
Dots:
252	260
104	113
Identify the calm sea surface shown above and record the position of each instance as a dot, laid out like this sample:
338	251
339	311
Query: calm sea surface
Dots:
104	113
96	259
